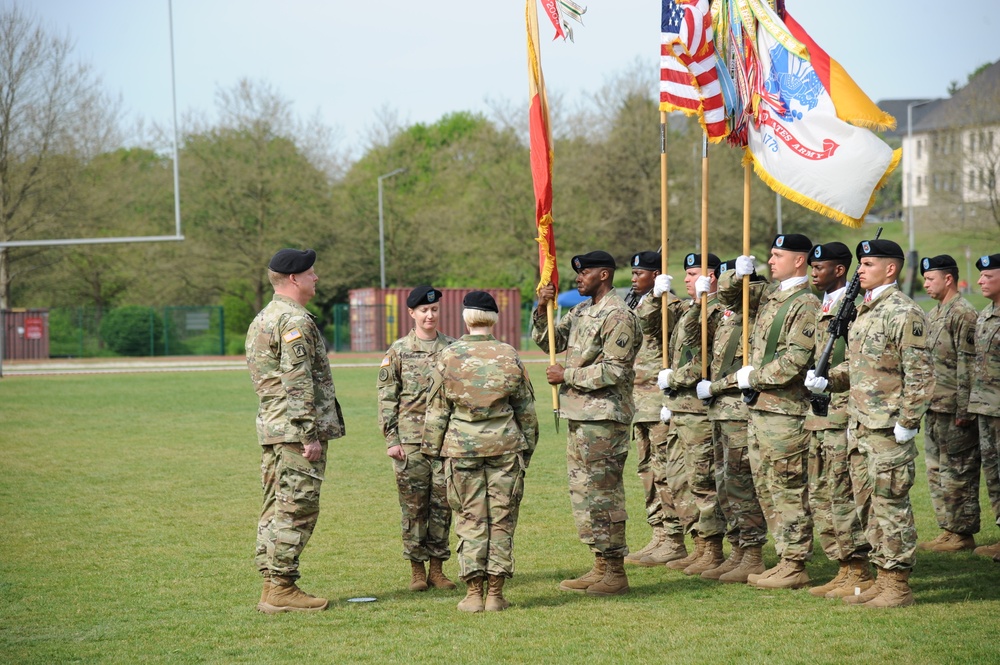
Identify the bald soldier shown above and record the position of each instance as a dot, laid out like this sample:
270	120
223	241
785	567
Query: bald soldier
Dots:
891	379
602	338
985	398
951	434
298	414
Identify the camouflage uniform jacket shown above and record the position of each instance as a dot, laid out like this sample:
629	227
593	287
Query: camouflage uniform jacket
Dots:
291	374
602	340
780	380
888	368
649	360
836	417
685	357
985	397
404	379
728	403
951	340
481	403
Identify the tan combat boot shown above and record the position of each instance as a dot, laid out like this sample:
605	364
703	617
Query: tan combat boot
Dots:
838	581
699	549
418	577
473	601
869	593
286	596
988	550
614	582
436	576
582	583
895	592
790	574
264	593
756	577
710	558
671	549
659	534
931	544
495	602
955	542
752	563
859	577
730	564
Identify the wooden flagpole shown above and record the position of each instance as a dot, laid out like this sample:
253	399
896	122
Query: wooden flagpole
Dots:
746	252
704	254
663	237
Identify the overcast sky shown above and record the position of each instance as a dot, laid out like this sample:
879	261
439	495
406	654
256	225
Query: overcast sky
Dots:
349	59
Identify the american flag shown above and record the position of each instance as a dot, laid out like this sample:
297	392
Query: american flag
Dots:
688	80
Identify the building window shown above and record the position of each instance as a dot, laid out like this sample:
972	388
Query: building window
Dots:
982	179
920	181
972	142
972	179
920	145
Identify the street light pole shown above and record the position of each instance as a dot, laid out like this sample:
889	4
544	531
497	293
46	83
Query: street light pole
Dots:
912	256
381	225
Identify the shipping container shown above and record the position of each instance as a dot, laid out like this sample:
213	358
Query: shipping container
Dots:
379	316
26	334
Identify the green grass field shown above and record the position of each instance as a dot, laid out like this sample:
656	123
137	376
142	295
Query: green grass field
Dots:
129	508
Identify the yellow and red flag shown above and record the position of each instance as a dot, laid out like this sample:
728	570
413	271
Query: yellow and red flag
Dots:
541	154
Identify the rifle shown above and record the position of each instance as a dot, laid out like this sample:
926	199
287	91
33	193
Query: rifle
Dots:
820	402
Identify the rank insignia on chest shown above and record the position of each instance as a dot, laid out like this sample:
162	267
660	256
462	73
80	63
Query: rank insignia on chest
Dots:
292	335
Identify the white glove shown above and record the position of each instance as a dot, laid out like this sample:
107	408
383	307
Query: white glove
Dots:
661	285
743	377
745	265
663	379
816	384
903	434
704	389
665	415
702	285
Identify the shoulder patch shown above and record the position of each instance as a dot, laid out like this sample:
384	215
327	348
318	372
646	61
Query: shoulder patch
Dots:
385	362
300	351
383	375
918	328
292	335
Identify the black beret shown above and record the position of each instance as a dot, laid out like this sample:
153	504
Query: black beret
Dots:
595	259
480	300
988	262
837	252
693	260
422	295
646	261
292	261
886	249
939	262
793	242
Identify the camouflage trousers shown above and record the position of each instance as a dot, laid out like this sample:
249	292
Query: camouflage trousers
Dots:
891	531
839	494
952	458
651	446
596	451
291	485
485	494
745	526
423	502
696	497
989	446
778	447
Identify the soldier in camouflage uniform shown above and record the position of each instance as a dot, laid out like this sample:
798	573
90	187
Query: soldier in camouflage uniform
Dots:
601	336
745	525
781	350
984	400
951	435
696	494
298	414
839	486
649	433
404	379
891	379
481	419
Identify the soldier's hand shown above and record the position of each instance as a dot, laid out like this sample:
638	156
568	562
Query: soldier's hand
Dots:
555	374
745	265
665	415
702	285
312	451
663	378
396	452
661	285
546	294
903	434
743	377
704	389
816	384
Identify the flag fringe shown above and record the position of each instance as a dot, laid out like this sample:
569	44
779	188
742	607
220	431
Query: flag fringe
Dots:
668	107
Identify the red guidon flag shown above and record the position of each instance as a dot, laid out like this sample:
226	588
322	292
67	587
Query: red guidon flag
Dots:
541	155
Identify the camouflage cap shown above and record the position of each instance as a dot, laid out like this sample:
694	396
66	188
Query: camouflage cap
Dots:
939	262
292	261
